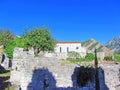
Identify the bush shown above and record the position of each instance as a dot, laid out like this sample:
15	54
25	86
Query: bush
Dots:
17	42
117	57
89	57
85	74
77	60
108	58
73	59
73	55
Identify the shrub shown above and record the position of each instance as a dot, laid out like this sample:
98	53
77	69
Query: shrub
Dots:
117	57
85	74
89	57
73	55
17	42
108	58
77	60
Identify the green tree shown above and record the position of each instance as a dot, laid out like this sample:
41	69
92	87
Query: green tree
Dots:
40	39
17	42
5	37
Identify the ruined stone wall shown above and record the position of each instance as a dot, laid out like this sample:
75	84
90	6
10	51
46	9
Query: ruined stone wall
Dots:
39	73
111	76
4	61
28	70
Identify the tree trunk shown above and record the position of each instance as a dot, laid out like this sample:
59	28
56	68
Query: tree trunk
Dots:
96	72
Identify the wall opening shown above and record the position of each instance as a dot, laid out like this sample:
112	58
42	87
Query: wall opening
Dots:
60	50
67	49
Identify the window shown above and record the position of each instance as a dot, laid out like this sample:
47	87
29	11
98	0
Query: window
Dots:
60	50
67	49
77	48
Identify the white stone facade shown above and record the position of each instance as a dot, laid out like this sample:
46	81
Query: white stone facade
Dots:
65	47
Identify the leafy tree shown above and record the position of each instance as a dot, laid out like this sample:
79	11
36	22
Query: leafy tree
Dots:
17	42
89	57
40	39
5	37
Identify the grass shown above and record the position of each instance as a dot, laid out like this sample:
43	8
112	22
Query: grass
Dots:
6	74
78	60
11	87
5	81
73	61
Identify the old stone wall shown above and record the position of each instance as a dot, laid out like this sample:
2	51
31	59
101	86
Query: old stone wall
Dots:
50	73
111	76
30	72
4	61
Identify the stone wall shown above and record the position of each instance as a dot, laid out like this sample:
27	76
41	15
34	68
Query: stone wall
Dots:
28	69
41	72
50	73
101	55
111	76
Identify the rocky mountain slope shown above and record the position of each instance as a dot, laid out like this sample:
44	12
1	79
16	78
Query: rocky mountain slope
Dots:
114	45
91	44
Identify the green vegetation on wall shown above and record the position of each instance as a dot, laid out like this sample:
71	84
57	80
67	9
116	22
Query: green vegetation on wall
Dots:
117	57
38	38
73	55
108	58
17	42
88	58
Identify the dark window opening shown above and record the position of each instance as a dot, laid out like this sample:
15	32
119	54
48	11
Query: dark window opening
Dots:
77	47
60	50
67	49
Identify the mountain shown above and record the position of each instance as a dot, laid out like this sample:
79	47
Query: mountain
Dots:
91	44
114	45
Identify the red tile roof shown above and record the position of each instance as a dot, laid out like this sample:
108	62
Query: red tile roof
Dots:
68	42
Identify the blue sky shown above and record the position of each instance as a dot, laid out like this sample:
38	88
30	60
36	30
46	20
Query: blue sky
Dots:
67	20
